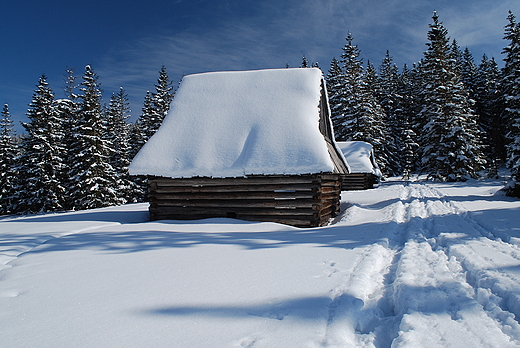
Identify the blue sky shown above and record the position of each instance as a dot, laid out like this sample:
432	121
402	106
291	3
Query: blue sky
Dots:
126	42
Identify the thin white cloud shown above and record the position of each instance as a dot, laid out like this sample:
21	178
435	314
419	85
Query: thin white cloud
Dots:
274	33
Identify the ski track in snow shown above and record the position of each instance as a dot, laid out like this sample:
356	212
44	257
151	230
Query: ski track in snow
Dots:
456	296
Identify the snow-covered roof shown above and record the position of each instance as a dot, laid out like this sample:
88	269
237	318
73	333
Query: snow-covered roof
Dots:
359	156
230	124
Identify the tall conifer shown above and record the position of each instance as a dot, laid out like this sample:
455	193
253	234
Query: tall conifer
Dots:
391	101
488	106
452	149
119	137
8	153
93	178
511	92
40	186
335	85
361	116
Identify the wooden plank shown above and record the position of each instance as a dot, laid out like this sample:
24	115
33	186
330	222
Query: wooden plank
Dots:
326	204
309	220
286	220
354	188
238	188
328	212
222	212
252	180
329	177
309	200
298	203
236	195
330	189
330	195
331	183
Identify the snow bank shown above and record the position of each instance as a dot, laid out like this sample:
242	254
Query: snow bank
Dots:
230	124
359	156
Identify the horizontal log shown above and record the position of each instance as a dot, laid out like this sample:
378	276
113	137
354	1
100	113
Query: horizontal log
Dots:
330	195
286	220
357	179
282	220
237	195
297	203
293	219
216	211
332	177
241	188
331	183
362	185
354	187
335	189
257	180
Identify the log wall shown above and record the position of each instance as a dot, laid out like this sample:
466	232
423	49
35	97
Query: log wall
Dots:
358	181
303	200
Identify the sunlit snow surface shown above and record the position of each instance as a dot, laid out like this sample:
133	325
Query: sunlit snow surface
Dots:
231	124
408	264
359	155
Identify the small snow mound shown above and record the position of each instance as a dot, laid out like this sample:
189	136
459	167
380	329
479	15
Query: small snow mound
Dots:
359	156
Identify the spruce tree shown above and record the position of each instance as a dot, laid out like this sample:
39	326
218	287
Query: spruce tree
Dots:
455	54
147	120
305	63
142	130
408	152
511	93
116	120
8	154
66	112
93	178
361	116
162	97
452	149
67	108
468	72
390	99
488	105
345	119
156	106
335	85
40	186
70	84
119	136
136	138
406	108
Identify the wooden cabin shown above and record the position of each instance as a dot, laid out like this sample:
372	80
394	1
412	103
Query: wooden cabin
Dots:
364	172
252	145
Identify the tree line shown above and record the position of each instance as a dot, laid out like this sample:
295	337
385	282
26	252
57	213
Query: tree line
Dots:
444	116
76	151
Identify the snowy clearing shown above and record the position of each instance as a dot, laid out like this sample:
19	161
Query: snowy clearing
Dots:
408	264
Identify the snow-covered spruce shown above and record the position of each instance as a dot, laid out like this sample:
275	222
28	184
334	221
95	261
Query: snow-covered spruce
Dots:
450	138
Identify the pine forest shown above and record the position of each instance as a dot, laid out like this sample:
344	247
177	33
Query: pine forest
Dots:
448	117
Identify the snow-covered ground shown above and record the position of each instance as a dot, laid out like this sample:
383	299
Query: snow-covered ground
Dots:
408	264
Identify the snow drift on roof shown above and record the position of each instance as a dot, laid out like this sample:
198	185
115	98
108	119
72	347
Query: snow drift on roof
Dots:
358	155
230	124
